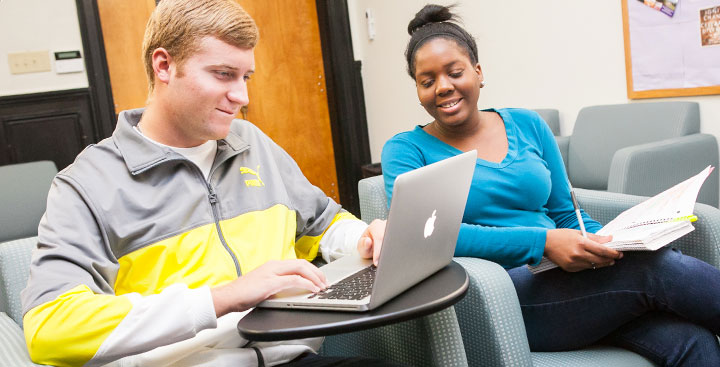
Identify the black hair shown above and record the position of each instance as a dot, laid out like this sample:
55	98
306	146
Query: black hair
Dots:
437	21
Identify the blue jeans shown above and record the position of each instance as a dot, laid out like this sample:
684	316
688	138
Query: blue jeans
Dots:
662	305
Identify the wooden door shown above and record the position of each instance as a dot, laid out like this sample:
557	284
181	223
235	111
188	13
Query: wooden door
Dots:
123	26
288	96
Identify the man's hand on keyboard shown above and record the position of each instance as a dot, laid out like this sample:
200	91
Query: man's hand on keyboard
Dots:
264	281
371	240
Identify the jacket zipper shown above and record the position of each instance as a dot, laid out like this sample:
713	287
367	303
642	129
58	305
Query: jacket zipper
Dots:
212	196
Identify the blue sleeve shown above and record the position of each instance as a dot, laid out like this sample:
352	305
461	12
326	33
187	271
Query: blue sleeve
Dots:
509	247
559	205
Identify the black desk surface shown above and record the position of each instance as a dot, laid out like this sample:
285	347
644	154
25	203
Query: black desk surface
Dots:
440	290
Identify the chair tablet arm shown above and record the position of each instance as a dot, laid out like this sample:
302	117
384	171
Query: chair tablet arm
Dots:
651	168
490	318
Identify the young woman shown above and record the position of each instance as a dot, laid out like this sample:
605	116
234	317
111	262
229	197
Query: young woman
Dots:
663	305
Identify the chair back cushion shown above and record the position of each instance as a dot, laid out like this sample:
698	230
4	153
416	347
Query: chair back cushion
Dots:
551	117
23	196
14	273
601	130
373	202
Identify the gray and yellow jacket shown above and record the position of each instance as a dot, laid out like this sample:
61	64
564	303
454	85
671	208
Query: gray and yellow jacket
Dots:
134	236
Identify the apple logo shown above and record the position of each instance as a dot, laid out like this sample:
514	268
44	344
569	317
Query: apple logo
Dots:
430	225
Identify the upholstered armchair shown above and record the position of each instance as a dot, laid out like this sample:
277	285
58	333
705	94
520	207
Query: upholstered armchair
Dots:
23	195
640	149
490	320
14	273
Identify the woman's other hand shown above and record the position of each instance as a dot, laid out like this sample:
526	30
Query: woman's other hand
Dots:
572	252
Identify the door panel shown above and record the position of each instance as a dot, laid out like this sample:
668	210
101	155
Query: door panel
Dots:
288	97
52	126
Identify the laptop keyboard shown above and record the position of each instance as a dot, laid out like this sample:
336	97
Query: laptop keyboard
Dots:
355	287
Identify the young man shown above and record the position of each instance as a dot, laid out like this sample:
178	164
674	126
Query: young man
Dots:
157	240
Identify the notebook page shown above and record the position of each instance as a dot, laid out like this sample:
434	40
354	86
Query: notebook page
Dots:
677	201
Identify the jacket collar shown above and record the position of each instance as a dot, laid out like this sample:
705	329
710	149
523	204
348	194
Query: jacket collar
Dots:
140	154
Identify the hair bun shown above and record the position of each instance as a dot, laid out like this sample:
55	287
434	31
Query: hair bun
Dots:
430	13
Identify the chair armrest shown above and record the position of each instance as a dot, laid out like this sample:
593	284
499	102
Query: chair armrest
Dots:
490	318
604	206
373	203
563	143
14	272
13	351
433	340
651	168
702	243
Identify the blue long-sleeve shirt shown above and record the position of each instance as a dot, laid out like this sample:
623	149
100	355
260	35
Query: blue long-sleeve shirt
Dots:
511	204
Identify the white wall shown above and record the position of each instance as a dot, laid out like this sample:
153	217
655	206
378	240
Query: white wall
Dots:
563	54
38	25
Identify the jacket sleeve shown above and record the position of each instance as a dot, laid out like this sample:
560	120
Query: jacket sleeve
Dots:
72	314
341	239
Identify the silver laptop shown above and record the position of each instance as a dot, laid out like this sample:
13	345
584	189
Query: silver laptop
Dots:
420	236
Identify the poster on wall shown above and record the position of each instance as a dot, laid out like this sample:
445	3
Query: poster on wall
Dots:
710	26
673	52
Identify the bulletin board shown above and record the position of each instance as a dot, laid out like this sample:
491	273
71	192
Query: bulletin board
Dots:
672	56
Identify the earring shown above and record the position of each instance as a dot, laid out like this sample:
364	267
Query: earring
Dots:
482	83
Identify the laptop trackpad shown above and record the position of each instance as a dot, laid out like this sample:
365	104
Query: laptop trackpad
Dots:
292	292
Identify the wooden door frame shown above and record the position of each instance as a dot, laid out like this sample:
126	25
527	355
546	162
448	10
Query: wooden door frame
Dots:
346	100
101	98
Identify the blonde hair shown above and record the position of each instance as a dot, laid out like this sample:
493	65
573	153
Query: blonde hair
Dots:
178	25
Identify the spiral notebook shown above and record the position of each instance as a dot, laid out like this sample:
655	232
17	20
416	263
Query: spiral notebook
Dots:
653	223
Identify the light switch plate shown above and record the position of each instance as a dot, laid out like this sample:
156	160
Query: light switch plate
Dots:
29	62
